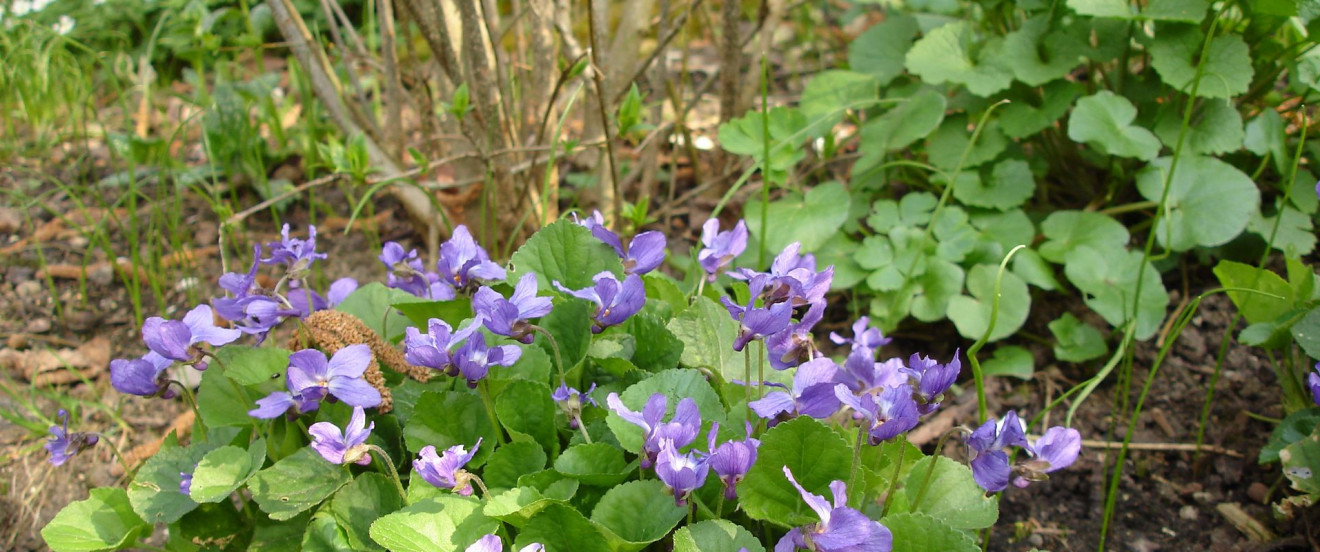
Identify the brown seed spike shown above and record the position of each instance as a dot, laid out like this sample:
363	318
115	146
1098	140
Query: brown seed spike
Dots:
332	330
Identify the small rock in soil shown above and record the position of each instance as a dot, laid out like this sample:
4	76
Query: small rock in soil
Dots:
38	325
1258	492
19	274
10	220
1188	512
1144	545
29	288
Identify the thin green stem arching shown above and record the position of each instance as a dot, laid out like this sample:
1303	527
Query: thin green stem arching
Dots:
554	346
484	390
1110	500
934	459
985	337
857	456
765	159
392	471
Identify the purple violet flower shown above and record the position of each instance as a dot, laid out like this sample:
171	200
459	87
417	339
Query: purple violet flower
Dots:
841	529
864	375
304	301
311	377
144	377
985	449
511	317
1056	449
462	261
491	543
244	289
474	359
571	401
615	301
177	340
930	380
888	414
298	255
731	460
864	336
63	444
406	270
446	472
757	322
185	482
792	278
343	447
644	253
682	473
812	393
1313	381
721	247
794	345
682	429
434	349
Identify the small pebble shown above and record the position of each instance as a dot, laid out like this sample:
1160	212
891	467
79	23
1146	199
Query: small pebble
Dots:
10	220
38	325
1188	512
17	341
1258	492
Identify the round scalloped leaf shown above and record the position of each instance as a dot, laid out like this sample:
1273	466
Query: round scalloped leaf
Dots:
1108	280
1300	462
715	535
1296	234
296	483
1037	56
1215	128
922	533
952	495
706	334
909	121
829	96
1209	201
224	470
355	507
448	522
1076	341
1010	360
941	282
945	147
972	314
788	130
1009	185
809	219
526	407
1027	116
945	55
511	461
1067	230
815	454
880	50
154	491
104	521
1227	71
598	464
516	506
1104	121
562	529
636	514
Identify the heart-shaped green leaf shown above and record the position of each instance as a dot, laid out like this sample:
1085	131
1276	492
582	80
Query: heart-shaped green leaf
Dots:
1209	201
1104	121
1227	67
945	54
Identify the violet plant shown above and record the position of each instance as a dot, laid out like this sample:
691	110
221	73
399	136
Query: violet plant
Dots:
454	399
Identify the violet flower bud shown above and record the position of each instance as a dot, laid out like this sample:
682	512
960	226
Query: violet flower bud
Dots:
446	471
63	444
720	247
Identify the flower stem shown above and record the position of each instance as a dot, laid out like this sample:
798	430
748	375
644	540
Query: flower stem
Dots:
188	396
934	459
857	457
123	463
893	481
485	493
747	379
392	471
554	346
484	390
586	437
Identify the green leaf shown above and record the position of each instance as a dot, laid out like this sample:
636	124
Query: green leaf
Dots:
972	314
450	418
1037	56
296	483
1296	234
452	312
1010	185
1032	268
1026	117
880	50
1254	306
1307	333
526	407
788	130
219	526
829	95
1188	11
952	496
361	503
511	461
562	529
104	521
707	332
325	535
911	120
1076	341
518	505
1108	280
570	323
223	470
935	288
1294	428
675	384
838	252
636	514
1214	128
221	404
597	464
815	454
1300	461
154	492
1010	360
1227	67
1067	230
274	536
564	252
945	146
253	365
1105	121
809	219
446	522
1265	135
659	349
945	54
715	535
923	533
373	305
1209	201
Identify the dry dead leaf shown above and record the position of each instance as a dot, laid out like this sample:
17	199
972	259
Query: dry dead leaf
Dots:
57	367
